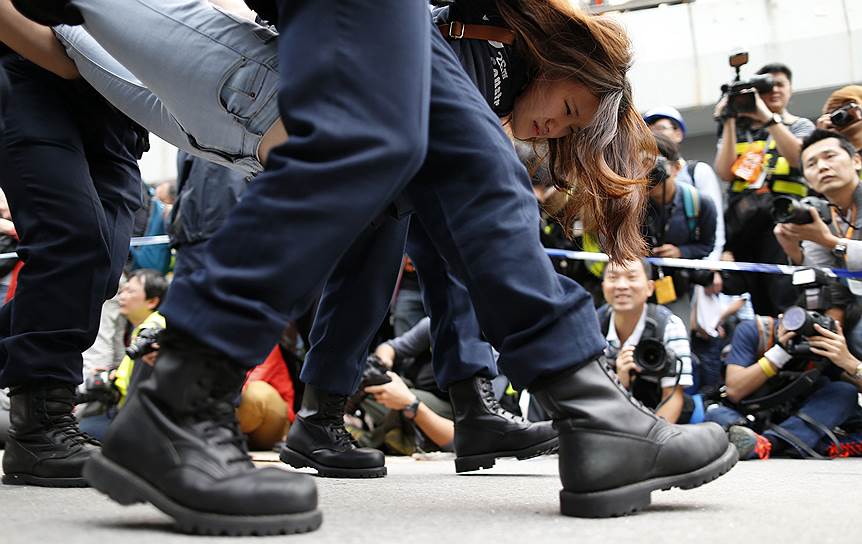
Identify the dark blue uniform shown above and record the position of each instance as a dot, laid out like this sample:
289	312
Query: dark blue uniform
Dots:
369	121
70	173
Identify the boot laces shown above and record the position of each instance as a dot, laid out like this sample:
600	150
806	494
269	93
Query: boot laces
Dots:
622	388
486	388
221	415
66	427
333	420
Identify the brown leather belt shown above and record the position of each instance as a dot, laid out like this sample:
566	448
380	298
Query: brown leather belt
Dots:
456	30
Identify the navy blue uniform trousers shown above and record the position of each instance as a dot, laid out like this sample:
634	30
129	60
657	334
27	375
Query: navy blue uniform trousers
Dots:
371	117
69	170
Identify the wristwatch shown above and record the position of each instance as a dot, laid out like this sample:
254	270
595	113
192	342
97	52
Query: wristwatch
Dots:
858	374
775	120
411	409
840	249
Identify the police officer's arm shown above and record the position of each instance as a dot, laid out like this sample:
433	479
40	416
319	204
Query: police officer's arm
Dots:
705	243
34	42
672	408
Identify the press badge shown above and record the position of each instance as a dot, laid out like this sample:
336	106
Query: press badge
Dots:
664	291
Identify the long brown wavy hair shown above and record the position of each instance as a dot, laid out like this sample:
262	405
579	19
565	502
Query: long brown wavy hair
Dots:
602	167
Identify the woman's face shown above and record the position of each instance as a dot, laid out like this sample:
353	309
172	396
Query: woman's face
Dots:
552	109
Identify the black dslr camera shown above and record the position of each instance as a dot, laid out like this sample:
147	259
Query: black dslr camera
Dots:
801	320
843	116
654	358
145	343
786	209
99	388
740	94
374	373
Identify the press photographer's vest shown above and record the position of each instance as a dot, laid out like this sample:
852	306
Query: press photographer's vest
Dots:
780	176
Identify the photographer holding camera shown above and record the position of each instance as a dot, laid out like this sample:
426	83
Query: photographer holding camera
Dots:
827	233
842	113
786	375
758	152
139	301
680	223
647	344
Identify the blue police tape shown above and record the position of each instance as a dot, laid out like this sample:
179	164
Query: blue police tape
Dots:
135	242
599	257
706	265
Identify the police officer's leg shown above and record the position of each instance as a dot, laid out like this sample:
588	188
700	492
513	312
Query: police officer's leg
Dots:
474	200
353	146
55	314
464	365
354	304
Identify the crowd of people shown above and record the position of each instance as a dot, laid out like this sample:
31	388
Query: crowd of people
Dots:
348	278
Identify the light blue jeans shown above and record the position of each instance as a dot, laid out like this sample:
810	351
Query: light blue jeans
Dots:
199	78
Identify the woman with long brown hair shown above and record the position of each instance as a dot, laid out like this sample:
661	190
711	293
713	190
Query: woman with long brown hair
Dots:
575	97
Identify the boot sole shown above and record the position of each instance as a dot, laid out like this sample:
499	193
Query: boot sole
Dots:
126	488
631	498
29	479
469	463
298	460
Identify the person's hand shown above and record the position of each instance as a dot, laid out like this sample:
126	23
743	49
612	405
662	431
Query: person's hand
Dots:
386	354
7	228
816	231
717	285
728	256
824	122
150	358
762	114
784	335
833	346
626	365
668	251
394	395
719	108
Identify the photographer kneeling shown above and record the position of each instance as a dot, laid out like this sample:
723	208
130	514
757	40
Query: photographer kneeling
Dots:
139	301
785	375
647	344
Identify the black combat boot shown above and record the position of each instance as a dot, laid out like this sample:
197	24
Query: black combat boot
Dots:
484	430
176	444
318	439
50	12
614	451
45	445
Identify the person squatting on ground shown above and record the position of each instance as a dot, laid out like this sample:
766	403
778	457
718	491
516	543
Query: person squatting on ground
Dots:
801	422
139	301
70	173
406	142
647	344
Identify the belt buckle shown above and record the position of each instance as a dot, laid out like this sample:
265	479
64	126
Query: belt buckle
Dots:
452	29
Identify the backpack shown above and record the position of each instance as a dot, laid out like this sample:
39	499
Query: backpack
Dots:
691	204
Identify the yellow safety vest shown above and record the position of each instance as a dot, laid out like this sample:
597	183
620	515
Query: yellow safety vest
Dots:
780	176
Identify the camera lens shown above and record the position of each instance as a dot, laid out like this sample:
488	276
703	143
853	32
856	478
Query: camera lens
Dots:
794	318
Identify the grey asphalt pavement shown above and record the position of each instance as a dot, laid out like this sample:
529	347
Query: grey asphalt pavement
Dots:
515	502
